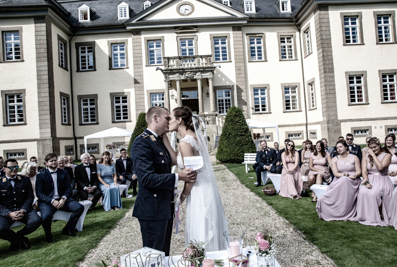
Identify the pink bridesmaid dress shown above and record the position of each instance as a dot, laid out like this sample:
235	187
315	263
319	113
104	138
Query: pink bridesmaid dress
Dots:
369	200
393	205
321	164
339	201
291	184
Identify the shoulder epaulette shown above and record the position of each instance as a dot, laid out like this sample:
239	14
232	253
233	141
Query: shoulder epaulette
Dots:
19	177
144	135
4	179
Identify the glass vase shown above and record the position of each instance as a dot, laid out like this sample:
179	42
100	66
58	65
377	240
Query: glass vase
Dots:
265	261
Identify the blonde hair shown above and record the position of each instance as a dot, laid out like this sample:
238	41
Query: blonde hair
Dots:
376	141
26	167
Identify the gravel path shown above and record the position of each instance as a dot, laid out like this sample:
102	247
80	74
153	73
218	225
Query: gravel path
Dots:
244	210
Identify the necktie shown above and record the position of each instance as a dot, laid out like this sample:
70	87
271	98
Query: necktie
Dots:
53	172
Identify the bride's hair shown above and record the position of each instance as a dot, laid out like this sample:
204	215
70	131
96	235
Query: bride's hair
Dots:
186	115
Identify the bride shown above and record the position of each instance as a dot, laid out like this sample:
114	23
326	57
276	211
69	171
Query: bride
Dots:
205	217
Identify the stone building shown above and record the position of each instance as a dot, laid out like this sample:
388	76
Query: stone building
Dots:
70	68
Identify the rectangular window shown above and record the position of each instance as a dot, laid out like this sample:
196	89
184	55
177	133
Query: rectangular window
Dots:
249	6
15	155
226	2
157	100
224	101
15	109
291	98
285	6
313	134
155	52
123	12
389	87
351	30
361	132
118	56
62	59
187	47
312	95
84	14
392	130
294	136
91	149
12	46
121	108
69	150
65	109
256	48
86	58
88	110
260	100
220	48
356	89
384	28
308	43
287	47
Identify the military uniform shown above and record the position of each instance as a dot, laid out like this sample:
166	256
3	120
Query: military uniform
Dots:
278	169
264	157
154	204
15	198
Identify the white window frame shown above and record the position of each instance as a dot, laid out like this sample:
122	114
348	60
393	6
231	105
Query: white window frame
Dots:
308	42
361	132
312	95
354	88
156	50
15	44
62	54
155	99
287	44
119	57
259	96
383	28
249	6
65	110
88	109
389	86
123	11
256	48
391	130
349	30
291	96
226	101
16	108
84	8
187	48
285	6
226	2
294	135
121	112
147	4
15	155
222	48
87	56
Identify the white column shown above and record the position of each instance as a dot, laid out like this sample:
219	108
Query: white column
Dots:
212	99
167	96
200	96
178	93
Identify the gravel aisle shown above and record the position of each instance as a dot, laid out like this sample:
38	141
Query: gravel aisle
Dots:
244	210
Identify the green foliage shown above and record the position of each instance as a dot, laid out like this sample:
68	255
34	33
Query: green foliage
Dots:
140	126
235	139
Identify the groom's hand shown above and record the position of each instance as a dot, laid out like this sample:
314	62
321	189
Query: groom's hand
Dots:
187	175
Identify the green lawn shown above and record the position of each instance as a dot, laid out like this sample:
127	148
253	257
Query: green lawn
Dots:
65	251
347	243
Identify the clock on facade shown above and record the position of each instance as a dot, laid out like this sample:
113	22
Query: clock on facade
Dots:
185	9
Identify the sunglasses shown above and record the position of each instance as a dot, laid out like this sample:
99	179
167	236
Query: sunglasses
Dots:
349	138
290	145
13	167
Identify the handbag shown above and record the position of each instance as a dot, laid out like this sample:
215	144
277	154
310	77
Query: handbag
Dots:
269	191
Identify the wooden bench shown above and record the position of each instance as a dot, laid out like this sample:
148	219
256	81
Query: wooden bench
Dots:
249	158
61	215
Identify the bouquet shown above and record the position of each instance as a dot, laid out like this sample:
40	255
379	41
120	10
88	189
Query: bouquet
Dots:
194	253
265	247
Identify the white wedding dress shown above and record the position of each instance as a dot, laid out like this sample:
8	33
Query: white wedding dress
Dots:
205	217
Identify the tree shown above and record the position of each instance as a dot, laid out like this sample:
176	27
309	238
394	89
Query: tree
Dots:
235	139
140	126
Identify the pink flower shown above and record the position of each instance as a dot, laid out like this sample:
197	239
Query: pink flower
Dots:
259	236
263	244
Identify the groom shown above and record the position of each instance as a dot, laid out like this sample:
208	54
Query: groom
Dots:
154	207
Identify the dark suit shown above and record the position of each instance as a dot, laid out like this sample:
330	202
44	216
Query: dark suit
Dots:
19	197
83	180
126	172
264	157
74	193
278	169
153	206
45	193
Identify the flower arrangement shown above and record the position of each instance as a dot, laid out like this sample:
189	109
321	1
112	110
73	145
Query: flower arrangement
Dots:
194	253
265	247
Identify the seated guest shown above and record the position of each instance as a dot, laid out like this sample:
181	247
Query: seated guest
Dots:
374	196
291	178
265	158
278	167
365	149
125	171
93	160
335	152
108	183
339	201
61	165
327	148
30	170
318	165
300	153
16	205
87	180
54	192
390	143
69	162
39	168
2	173
305	157
353	148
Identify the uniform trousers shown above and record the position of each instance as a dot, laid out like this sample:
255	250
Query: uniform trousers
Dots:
157	234
32	221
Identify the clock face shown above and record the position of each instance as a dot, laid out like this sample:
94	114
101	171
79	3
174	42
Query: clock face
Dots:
185	9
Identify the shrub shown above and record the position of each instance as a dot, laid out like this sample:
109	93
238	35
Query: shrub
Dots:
140	126
235	139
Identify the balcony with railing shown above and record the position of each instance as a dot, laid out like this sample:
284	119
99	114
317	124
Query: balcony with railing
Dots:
188	62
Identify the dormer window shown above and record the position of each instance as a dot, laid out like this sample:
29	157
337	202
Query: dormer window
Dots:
123	11
146	4
249	6
285	6
226	2
84	13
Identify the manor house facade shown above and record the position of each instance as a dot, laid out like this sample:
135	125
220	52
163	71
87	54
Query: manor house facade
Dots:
316	68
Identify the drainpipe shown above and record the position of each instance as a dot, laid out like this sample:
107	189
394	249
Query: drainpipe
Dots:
71	94
304	81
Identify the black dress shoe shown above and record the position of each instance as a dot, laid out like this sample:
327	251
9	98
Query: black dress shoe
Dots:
14	247
68	232
25	243
258	185
48	238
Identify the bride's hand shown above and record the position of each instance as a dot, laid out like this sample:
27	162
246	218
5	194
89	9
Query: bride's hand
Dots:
182	198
